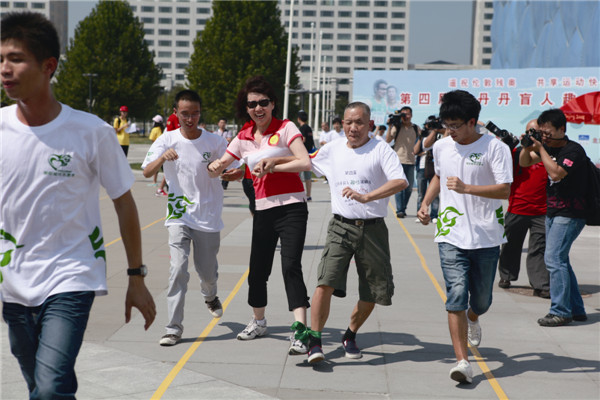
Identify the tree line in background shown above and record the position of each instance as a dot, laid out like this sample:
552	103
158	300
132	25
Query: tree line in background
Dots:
243	38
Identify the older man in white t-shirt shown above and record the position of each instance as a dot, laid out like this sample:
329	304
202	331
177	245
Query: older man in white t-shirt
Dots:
362	174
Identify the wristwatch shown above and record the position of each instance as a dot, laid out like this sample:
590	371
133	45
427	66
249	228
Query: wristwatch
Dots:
141	270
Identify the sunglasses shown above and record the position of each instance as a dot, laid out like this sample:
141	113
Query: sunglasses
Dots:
262	103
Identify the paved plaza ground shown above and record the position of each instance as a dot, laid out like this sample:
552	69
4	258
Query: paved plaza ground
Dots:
406	346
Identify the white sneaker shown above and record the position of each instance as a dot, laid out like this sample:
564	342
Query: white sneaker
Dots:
417	221
474	332
169	339
434	221
253	330
297	347
462	373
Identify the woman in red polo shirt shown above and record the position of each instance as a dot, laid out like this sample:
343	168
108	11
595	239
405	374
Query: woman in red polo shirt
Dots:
281	211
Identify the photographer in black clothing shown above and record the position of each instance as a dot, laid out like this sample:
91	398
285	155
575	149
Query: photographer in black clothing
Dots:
566	164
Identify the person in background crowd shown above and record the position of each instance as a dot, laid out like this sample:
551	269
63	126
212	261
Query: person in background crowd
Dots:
120	124
155	132
405	137
565	162
526	212
309	144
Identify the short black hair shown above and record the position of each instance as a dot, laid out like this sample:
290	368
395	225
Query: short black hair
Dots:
302	116
555	116
337	120
406	108
461	105
34	31
188	95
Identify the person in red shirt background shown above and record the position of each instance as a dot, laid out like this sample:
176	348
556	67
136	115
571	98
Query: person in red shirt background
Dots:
526	212
172	124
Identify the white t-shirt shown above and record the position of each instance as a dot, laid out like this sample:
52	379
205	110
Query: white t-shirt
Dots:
467	221
363	169
323	136
334	135
195	200
51	235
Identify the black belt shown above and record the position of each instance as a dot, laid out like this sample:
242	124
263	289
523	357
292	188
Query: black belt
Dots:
357	222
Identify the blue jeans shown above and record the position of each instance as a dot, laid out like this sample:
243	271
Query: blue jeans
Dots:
422	184
468	272
46	340
561	232
403	196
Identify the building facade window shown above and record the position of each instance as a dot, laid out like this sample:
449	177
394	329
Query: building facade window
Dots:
380	14
183	32
165	32
361	47
182	43
309	13
344	25
183	10
380	25
380	3
343	58
165	20
343	47
165	43
182	54
147	8
162	9
344	14
380	49
326	13
398	14
165	54
380	37
361	59
362	25
342	70
326	24
363	14
147	20
397	60
183	21
378	60
203	10
398	26
361	36
38	6
397	37
396	49
344	36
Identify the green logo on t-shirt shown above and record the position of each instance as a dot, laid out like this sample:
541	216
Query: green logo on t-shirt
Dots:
177	206
475	159
446	220
59	162
8	244
206	156
500	218
97	242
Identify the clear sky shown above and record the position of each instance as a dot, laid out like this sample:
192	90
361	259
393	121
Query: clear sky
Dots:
439	30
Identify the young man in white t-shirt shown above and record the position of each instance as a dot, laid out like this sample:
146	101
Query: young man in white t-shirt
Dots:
53	160
195	203
362	174
473	173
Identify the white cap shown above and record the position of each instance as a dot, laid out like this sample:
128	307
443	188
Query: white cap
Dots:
158	119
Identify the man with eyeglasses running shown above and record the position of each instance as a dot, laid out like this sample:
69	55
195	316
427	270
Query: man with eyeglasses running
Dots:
473	173
565	161
195	202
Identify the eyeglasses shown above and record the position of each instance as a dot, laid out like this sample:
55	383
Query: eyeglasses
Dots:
262	103
452	127
189	116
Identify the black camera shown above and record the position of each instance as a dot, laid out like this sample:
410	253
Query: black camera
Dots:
432	123
531	133
395	119
508	138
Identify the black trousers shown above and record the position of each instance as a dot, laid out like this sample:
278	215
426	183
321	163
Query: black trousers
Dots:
288	224
516	227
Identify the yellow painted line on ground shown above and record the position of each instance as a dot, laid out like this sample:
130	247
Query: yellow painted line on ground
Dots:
184	359
482	364
146	227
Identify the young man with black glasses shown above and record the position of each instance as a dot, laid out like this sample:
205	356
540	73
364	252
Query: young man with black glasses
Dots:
473	173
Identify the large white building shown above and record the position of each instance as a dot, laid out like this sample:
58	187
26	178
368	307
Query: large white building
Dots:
356	34
56	11
481	47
